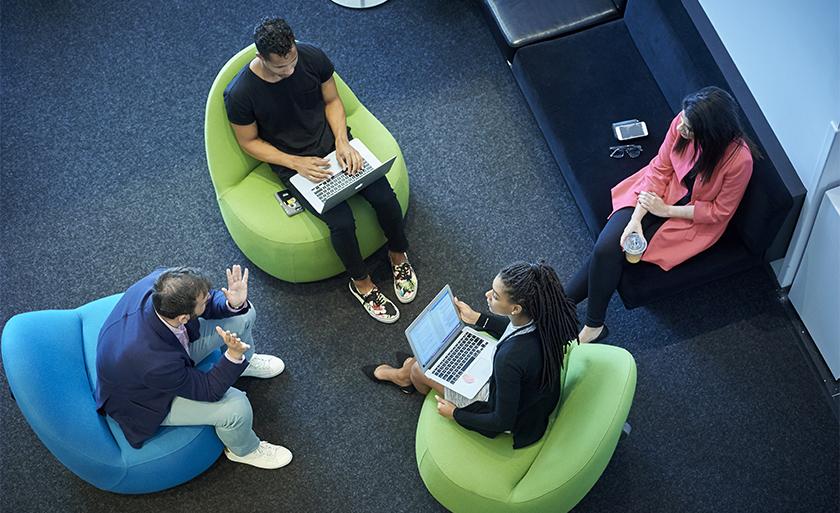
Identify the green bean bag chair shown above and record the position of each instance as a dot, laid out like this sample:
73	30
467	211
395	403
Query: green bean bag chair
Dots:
467	472
298	248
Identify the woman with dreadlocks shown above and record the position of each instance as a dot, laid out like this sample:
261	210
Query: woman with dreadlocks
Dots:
535	324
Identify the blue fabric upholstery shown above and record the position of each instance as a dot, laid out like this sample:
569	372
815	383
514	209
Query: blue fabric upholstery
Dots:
641	66
646	282
578	131
50	363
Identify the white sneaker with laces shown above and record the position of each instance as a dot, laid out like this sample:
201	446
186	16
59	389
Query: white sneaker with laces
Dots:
267	455
264	366
377	305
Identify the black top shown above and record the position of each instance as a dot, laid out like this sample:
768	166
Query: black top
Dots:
516	403
289	113
688	181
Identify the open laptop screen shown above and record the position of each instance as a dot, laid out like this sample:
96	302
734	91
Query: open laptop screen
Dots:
433	327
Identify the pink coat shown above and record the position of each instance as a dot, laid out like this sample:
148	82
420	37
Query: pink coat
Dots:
714	201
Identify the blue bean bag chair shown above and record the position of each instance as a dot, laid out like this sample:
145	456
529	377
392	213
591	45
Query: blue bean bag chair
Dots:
50	363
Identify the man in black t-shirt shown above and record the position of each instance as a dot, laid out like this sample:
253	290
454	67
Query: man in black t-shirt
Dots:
285	110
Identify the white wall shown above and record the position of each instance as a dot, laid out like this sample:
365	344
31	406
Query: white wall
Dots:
788	52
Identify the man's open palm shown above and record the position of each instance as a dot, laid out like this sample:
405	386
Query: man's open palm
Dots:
237	288
234	344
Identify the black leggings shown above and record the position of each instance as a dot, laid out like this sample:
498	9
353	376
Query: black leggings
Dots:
599	276
342	225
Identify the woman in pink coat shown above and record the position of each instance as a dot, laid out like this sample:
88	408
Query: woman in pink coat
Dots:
681	202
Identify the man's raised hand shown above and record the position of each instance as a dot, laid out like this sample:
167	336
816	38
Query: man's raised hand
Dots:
235	347
237	286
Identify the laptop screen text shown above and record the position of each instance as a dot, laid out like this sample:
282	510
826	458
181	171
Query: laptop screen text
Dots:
432	331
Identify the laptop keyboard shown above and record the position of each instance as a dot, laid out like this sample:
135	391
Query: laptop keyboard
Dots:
460	357
339	181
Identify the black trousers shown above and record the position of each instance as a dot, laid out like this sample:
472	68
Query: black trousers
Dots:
598	278
342	225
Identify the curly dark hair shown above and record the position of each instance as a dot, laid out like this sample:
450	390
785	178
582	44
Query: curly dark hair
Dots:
273	35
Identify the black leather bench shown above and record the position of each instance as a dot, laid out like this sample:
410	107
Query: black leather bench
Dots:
641	66
516	23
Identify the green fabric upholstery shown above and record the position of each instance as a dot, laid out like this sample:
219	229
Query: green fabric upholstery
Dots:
298	248
467	472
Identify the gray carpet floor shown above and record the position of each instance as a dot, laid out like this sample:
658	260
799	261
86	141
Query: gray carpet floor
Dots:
103	178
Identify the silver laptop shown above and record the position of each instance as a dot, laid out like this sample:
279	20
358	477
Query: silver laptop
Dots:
448	351
340	186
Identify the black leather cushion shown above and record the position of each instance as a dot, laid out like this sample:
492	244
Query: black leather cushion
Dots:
577	86
523	22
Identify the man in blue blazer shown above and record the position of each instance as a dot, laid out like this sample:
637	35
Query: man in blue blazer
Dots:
146	360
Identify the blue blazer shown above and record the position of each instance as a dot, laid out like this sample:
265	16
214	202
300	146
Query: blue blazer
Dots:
141	366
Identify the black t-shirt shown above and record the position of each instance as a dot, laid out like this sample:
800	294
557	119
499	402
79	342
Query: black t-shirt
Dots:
289	113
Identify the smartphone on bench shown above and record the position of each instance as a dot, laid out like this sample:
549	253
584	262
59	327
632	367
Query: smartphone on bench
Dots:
291	206
630	129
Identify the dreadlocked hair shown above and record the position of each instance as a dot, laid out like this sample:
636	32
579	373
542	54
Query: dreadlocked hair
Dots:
537	289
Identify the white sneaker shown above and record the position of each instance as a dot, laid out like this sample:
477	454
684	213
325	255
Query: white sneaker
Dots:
377	305
266	456
264	366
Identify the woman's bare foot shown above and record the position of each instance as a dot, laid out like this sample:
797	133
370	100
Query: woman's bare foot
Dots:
588	334
399	376
406	367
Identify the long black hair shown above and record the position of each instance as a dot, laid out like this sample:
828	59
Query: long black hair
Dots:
537	289
713	116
